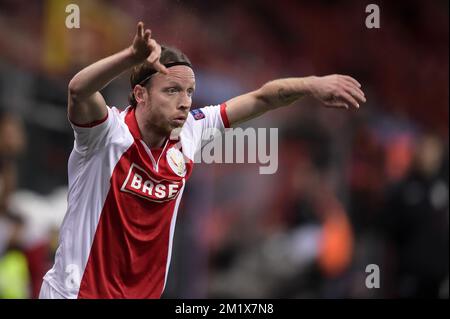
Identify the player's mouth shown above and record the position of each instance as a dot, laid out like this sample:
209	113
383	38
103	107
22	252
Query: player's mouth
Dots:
179	120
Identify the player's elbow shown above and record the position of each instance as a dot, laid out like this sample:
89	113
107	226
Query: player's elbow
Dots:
78	92
74	90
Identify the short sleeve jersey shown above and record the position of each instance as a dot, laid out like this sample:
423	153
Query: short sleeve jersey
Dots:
116	238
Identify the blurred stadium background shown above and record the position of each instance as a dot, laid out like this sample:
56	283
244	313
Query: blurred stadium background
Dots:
352	188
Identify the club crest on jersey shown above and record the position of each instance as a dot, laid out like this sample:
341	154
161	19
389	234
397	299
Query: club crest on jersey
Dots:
198	114
175	159
140	183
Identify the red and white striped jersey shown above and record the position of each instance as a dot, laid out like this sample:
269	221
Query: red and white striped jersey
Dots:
116	237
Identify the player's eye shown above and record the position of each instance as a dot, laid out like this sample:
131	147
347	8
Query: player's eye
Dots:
172	90
190	92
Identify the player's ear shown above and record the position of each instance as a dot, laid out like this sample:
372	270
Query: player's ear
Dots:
139	93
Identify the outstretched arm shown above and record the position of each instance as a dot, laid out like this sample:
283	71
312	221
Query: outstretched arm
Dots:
85	103
338	91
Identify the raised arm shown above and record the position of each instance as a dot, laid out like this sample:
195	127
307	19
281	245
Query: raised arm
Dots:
338	91
85	103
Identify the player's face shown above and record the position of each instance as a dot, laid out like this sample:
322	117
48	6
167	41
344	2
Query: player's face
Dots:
170	98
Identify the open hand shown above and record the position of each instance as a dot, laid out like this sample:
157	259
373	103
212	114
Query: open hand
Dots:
338	91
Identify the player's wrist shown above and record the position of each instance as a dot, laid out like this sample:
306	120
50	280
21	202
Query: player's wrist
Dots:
308	85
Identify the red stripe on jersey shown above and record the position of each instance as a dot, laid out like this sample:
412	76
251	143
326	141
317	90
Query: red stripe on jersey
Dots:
223	114
92	124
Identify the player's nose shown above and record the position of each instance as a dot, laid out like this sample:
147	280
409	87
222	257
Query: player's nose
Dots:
185	102
184	106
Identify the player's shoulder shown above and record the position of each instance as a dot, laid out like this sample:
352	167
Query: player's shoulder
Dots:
200	118
201	113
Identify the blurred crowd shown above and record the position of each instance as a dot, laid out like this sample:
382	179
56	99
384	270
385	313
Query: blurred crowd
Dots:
352	188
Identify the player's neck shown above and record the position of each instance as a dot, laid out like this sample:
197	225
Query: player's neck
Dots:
151	136
153	140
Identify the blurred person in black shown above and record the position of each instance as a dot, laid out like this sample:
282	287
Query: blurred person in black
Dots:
12	145
416	224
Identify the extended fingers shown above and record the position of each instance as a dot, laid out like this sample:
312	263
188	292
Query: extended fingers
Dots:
147	35
356	92
154	57
348	99
351	92
350	80
336	101
160	67
140	29
155	49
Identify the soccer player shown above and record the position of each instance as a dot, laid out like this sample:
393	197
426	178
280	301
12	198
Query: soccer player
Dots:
127	171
